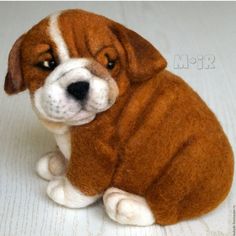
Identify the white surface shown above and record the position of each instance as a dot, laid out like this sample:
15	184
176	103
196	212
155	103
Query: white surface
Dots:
175	28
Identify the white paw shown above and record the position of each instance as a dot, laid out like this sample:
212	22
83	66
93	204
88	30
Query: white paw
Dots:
64	193
51	165
127	208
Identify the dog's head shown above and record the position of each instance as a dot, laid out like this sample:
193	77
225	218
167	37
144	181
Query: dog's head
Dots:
76	64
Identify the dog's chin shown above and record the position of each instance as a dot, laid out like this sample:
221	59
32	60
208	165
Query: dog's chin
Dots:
84	115
80	118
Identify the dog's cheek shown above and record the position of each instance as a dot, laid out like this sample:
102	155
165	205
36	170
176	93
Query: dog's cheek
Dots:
122	83
34	85
34	79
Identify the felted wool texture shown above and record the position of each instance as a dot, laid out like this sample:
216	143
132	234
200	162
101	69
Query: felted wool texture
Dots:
159	140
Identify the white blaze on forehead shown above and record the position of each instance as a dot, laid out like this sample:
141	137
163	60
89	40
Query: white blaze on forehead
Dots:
56	36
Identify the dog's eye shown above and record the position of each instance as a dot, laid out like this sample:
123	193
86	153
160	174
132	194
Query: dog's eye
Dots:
110	63
47	65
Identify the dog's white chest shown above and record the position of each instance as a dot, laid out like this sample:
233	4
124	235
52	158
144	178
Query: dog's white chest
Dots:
64	143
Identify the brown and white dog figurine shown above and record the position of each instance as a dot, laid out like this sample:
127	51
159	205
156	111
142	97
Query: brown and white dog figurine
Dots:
127	129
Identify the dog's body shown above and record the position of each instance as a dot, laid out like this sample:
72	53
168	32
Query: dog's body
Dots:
141	134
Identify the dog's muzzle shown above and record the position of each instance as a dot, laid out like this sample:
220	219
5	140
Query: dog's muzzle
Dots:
73	94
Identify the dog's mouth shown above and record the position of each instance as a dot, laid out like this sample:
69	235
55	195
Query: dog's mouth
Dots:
73	95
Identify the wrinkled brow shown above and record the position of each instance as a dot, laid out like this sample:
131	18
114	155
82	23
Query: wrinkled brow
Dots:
42	49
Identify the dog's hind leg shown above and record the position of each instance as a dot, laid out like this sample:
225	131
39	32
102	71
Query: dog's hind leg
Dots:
194	183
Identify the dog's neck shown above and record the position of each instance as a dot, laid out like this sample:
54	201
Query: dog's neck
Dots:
54	127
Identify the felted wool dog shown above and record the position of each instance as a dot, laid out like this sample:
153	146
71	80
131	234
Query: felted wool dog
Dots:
127	129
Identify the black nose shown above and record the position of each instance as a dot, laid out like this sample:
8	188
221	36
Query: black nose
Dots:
78	90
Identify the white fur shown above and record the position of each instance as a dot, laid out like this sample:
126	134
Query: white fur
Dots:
127	208
54	127
51	165
64	193
98	95
55	34
52	101
64	143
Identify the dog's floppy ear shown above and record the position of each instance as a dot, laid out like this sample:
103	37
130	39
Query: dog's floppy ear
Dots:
143	58
14	82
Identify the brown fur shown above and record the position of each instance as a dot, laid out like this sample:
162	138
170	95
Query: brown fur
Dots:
159	140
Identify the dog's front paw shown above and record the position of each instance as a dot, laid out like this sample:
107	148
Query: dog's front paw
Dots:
51	165
127	208
64	193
